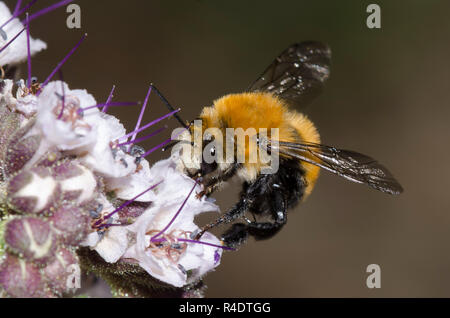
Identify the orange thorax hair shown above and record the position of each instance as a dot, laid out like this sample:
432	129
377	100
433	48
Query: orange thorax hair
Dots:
262	110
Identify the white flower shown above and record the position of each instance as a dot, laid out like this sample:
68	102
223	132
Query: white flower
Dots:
176	259
113	245
172	257
88	133
126	188
62	158
16	52
102	157
71	128
24	103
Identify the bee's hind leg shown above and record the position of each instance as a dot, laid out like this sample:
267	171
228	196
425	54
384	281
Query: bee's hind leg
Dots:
265	230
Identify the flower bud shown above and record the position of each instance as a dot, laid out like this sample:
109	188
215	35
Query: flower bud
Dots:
21	279
30	238
78	184
33	191
19	152
70	224
8	125
61	273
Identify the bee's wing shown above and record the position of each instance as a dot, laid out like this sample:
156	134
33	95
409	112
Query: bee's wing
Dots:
351	165
298	74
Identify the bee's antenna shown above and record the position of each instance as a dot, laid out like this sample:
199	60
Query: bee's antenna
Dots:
170	107
173	143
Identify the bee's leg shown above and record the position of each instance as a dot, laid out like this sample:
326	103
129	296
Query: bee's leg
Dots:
209	188
216	182
236	235
234	213
239	232
265	230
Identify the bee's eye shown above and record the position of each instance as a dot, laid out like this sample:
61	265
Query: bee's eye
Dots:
213	151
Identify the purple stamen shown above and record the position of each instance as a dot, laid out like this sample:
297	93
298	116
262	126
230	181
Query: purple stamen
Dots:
105	109
60	64
96	224
142	138
17	8
156	148
28	52
141	115
115	104
150	124
50	8
162	144
19	13
12	40
63	94
176	214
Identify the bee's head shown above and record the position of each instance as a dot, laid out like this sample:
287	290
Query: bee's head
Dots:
201	151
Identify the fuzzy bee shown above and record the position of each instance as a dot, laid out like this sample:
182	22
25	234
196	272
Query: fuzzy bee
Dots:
295	77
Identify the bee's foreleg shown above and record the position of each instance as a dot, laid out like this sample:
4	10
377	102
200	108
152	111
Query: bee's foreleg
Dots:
234	213
216	182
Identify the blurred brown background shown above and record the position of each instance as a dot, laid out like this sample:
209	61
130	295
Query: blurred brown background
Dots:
388	97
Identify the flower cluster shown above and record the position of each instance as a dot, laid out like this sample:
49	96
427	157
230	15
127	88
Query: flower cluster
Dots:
72	178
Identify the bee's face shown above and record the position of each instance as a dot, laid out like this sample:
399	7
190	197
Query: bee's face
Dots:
198	158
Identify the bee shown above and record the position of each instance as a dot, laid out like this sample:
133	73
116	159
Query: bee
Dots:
294	78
